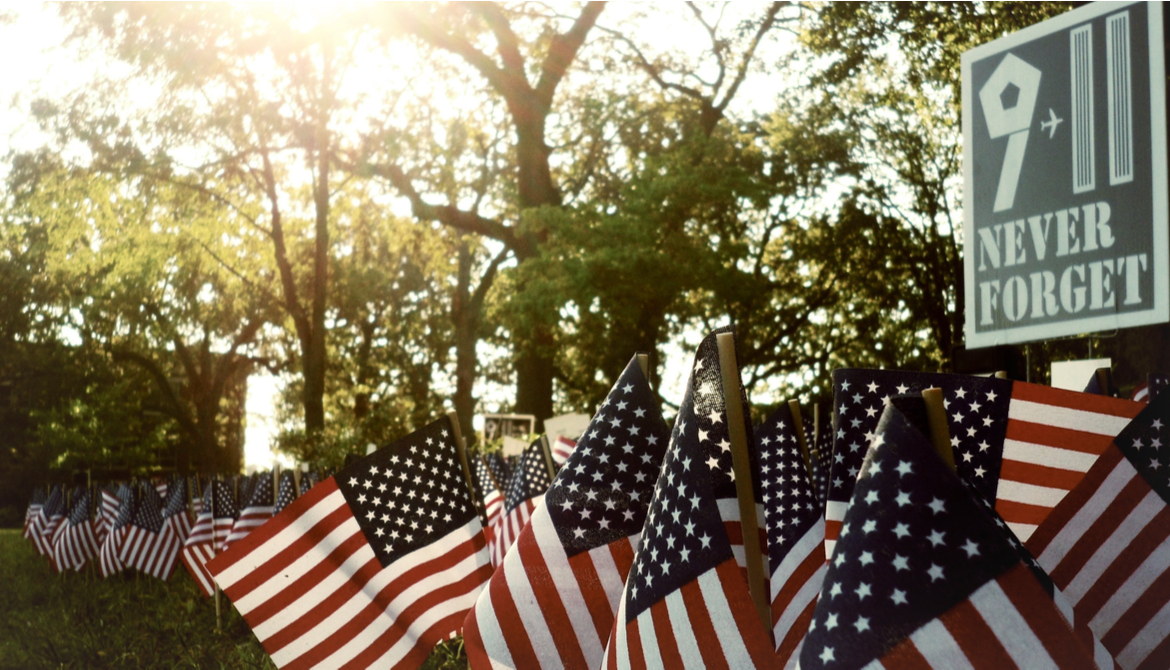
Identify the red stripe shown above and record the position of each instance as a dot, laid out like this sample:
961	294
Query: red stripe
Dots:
372	609
832	530
905	656
1148	604
1017	512
1056	436
1123	566
701	626
1040	475
1037	608
593	591
665	636
623	556
549	600
1087	402
611	646
473	642
796	633
1159	658
1099	531
755	637
1060	515
975	637
636	656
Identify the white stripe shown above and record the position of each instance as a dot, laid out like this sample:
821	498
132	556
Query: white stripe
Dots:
835	510
729	511
1010	627
1084	517
1133	588
649	638
1151	635
1109	550
612	581
1031	494
724	623
566	585
1064	417
794	660
875	664
810	541
1064	605
531	617
680	620
830	545
1101	655
939	648
363	598
494	644
620	636
808	593
306	561
1052	457
1023	531
287	536
419	626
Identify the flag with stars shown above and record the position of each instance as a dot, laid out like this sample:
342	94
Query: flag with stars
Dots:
526	489
489	496
1107	544
796	533
369	568
822	453
1155	382
33	512
200	546
258	509
562	447
176	515
75	544
150	545
553	601
109	556
922	575
1022	445
501	471
49	517
686	596
287	492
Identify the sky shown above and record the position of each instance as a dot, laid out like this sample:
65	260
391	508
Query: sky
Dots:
36	62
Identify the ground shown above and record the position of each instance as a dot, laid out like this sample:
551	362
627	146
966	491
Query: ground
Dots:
76	620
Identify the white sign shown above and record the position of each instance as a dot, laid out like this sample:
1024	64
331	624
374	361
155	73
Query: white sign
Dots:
1075	375
1064	176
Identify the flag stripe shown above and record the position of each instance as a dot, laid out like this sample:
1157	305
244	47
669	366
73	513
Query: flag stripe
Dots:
938	648
564	610
649	636
1139	549
1029	598
698	619
975	638
678	618
788	647
489	637
905	655
520	647
745	641
1033	402
1143	506
1074	519
1010	627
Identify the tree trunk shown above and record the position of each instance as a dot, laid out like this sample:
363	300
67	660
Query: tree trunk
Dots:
314	366
466	319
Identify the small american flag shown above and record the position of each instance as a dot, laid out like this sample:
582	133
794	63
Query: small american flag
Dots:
107	512
150	545
76	544
257	510
686	602
1022	445
109	555
1107	544
199	546
1155	383
33	512
501	471
796	533
923	576
369	568
529	482
287	492
47	520
489	496
562	447
552	602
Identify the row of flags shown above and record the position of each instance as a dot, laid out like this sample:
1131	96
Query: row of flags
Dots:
1041	541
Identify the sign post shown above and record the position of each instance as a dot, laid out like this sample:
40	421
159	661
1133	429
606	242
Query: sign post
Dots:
1065	177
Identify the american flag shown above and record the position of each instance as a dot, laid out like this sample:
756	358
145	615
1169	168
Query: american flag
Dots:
150	545
176	510
1155	383
553	601
33	512
686	602
529	482
499	467
110	561
824	445
75	543
1107	544
256	511
562	447
489	496
107	512
287	492
369	568
922	575
1022	445
47	520
796	533
212	526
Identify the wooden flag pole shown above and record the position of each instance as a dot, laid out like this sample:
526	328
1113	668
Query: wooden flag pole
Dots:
794	407
548	459
816	450
644	363
461	447
741	465
940	434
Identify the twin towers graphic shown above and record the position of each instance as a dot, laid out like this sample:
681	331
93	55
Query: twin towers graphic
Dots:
1014	119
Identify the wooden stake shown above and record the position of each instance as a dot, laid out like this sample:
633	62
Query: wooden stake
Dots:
794	407
741	465
940	434
644	363
461	447
548	459
1001	374
816	450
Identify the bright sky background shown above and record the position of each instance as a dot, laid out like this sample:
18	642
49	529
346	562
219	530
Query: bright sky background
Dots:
35	63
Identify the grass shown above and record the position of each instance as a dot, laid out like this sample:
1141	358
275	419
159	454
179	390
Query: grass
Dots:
76	620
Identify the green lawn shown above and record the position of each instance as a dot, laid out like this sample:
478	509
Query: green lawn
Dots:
80	621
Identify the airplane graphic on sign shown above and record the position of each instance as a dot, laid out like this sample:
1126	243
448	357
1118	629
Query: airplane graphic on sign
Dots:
1065	177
